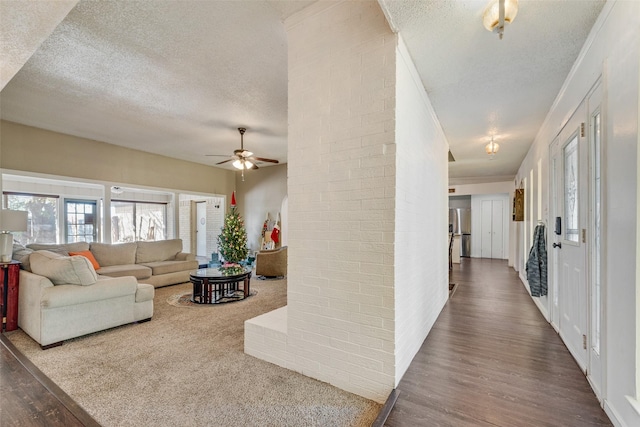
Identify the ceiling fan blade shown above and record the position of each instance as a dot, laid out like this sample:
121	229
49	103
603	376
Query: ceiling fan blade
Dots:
254	166
224	161
262	159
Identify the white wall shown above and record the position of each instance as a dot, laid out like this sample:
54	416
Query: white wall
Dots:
422	216
613	51
261	192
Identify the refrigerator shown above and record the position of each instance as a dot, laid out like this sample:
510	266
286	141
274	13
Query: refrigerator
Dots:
460	224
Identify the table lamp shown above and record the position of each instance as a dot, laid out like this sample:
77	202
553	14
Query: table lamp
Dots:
10	221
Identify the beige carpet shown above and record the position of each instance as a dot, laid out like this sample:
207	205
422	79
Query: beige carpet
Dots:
186	367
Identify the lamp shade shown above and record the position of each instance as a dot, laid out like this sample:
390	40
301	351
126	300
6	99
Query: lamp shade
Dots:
492	148
13	220
491	16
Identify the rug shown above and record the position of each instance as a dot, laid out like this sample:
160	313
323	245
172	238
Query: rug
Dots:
184	299
188	368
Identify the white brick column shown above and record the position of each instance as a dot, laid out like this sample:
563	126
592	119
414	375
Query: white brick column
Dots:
341	322
341	196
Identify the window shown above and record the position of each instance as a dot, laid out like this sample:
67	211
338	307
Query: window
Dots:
81	220
571	190
42	220
133	221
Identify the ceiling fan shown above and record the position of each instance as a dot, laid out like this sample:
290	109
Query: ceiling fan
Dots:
243	159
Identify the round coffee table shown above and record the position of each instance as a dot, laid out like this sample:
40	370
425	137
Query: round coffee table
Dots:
214	286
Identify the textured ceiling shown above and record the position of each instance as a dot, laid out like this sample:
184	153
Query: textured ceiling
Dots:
178	78
480	85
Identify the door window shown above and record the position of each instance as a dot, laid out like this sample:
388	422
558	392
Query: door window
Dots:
80	220
570	154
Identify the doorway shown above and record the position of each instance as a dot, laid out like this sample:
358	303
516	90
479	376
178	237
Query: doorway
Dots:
201	229
575	237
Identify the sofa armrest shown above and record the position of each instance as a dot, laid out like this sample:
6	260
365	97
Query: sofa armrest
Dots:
29	302
183	256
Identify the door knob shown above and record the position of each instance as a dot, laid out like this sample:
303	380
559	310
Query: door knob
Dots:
557	245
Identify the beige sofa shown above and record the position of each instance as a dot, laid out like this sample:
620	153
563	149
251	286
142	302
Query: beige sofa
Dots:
63	297
159	263
67	299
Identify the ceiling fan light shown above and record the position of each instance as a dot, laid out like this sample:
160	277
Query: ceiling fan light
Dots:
248	164
491	16
238	164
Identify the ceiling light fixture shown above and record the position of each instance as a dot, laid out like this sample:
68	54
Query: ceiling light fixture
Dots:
498	13
242	164
492	148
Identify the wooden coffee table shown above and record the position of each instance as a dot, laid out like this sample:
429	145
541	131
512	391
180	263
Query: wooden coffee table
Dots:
213	286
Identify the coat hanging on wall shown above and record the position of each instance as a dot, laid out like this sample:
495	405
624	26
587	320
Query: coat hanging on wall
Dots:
537	263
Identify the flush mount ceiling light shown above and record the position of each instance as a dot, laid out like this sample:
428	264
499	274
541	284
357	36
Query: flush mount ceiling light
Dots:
492	148
498	13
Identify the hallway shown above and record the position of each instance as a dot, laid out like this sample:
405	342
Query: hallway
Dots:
492	359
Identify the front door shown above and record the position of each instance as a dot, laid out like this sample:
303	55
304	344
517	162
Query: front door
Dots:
569	155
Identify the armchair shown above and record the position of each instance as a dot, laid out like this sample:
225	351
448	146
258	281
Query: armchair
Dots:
272	263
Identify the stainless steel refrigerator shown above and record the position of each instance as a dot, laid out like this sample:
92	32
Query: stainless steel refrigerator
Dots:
460	224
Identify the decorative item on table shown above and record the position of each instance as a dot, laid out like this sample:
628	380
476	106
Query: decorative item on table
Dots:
215	261
10	221
250	259
231	269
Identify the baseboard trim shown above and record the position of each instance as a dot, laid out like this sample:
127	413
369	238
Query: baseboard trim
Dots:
612	414
386	409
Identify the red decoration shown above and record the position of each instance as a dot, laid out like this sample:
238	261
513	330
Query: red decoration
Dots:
275	234
233	199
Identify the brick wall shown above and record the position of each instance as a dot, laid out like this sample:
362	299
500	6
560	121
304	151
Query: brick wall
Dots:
421	243
341	197
367	206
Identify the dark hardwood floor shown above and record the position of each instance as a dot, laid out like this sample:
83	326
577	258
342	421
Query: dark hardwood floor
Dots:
491	359
29	398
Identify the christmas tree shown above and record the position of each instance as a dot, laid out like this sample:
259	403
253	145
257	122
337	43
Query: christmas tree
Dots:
232	241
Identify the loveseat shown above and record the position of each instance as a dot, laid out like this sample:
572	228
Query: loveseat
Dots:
159	263
67	299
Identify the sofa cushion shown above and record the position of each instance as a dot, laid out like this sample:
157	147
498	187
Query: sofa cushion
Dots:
114	254
135	270
103	289
160	250
62	249
63	270
145	292
88	255
22	254
164	267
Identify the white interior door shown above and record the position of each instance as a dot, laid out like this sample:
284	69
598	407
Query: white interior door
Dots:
486	234
497	229
201	229
571	187
492	223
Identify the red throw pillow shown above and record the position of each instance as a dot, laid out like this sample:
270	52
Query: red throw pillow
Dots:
88	255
